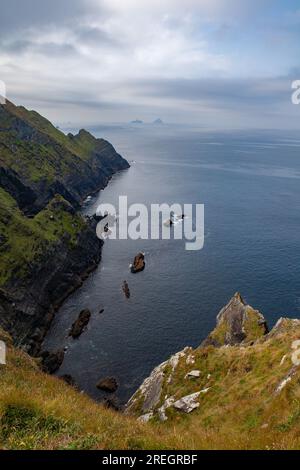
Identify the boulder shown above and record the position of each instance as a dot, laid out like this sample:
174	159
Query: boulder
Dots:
51	361
193	374
188	403
138	263
81	322
108	384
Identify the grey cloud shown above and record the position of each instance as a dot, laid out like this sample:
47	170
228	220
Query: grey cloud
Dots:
92	35
48	48
220	91
20	15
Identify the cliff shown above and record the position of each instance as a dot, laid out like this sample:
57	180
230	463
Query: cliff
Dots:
46	247
38	161
241	396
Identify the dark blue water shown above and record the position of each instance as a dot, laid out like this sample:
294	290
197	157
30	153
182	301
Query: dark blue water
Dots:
249	183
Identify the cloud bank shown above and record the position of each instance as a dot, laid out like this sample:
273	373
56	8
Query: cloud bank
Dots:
216	63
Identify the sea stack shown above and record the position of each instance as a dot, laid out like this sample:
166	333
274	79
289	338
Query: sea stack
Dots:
138	263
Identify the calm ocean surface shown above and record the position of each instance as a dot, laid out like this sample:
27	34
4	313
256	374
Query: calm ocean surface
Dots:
250	185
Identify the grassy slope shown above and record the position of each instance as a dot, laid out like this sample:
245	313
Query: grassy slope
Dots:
41	411
41	156
240	411
24	239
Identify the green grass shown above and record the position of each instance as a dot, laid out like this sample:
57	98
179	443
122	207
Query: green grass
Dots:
24	240
240	411
49	153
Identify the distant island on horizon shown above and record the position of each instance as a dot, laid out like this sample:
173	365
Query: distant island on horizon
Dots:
157	121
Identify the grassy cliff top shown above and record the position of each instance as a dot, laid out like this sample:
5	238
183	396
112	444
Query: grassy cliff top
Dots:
32	147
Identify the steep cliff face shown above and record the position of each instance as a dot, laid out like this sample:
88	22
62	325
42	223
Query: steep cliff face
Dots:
38	161
49	258
46	247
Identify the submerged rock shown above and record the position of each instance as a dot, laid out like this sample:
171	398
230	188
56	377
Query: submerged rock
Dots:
108	384
81	322
51	361
126	290
138	263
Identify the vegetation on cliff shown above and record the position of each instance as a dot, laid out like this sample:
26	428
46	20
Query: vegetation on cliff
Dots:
252	401
46	247
37	160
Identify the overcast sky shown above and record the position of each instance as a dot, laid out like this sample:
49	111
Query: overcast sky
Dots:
215	63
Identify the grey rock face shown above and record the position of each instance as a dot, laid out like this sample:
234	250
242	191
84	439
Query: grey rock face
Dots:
188	403
28	305
237	322
150	390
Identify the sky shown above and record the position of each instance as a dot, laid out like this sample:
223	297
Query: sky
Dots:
211	63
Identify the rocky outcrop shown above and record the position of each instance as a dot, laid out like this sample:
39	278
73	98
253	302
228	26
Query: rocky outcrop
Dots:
237	322
149	393
187	403
80	324
126	289
138	263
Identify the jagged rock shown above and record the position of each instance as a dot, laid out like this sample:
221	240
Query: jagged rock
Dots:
126	290
193	374
237	322
138	263
284	325
188	403
108	384
51	361
81	322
